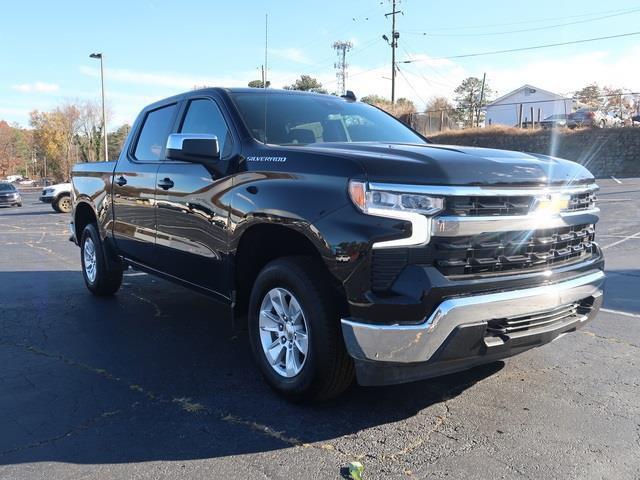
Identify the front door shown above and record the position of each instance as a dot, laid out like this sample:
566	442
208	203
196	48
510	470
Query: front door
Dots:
135	184
193	210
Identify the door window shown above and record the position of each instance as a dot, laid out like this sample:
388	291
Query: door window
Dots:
153	136
204	116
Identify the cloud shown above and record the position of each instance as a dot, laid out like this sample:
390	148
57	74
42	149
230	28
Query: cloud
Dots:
292	54
39	87
567	73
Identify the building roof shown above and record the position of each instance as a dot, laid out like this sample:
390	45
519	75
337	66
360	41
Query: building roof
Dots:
498	100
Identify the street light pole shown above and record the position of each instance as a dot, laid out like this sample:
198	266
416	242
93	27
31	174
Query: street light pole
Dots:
104	116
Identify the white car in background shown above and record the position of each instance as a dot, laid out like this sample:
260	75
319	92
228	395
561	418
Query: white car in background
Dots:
59	196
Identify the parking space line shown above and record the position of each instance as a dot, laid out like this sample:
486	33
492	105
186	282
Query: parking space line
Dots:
615	179
620	312
629	237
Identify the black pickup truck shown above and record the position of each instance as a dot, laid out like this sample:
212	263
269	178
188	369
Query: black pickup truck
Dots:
348	243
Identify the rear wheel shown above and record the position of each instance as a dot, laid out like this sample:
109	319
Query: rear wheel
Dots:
62	204
99	278
294	330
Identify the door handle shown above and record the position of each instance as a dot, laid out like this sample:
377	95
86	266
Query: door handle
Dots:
166	183
121	181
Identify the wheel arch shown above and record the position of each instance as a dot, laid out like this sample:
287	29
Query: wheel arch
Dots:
264	242
83	215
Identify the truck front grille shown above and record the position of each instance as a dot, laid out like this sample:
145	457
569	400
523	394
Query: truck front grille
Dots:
511	252
488	206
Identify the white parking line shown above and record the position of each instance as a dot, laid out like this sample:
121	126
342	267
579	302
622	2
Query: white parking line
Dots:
620	312
629	237
615	179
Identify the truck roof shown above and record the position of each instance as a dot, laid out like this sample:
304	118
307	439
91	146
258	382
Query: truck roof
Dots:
233	90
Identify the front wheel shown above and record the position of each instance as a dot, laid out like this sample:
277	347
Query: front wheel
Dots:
294	330
63	204
99	278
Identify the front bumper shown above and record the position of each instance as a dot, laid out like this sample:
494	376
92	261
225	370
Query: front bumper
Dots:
9	202
47	199
455	335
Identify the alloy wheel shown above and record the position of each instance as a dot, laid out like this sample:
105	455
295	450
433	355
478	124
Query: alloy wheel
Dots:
284	334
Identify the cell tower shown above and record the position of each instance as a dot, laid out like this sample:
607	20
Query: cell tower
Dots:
341	49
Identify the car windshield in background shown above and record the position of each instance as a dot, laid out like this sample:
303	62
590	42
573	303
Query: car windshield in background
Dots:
7	187
303	119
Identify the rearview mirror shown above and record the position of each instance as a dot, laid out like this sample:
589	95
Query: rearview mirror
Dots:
193	147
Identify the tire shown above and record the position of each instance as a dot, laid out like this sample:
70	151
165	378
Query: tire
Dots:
99	278
63	204
326	370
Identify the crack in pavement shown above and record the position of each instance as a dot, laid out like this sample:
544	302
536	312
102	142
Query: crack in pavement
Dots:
158	310
185	403
609	339
72	431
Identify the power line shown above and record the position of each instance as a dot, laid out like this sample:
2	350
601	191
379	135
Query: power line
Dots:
526	22
533	29
411	86
535	47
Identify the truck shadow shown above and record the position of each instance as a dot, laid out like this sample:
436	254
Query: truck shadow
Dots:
157	373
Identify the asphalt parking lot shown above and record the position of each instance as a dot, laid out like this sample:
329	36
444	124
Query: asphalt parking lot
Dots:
155	384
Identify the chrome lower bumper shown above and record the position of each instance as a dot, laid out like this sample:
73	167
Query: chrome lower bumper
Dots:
418	343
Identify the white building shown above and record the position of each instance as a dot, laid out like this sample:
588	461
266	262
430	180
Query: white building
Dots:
505	110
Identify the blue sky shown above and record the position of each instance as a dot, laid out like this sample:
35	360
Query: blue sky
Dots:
155	48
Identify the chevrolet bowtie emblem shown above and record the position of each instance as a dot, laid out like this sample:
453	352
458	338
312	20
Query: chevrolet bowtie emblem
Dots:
550	204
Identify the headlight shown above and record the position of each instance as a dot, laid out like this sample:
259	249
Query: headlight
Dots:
413	207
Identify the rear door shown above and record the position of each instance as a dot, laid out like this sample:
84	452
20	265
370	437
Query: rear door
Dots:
135	185
192	206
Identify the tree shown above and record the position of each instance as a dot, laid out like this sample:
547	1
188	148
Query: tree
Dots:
89	136
377	100
258	84
116	140
7	149
468	100
438	104
591	95
615	102
306	83
403	106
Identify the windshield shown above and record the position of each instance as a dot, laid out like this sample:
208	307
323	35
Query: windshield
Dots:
303	119
7	187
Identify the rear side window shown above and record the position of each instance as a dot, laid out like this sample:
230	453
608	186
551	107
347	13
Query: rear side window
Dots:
204	116
153	136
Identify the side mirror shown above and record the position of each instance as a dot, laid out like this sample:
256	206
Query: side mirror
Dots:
193	147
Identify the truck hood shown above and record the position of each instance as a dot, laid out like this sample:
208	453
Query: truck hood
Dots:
455	165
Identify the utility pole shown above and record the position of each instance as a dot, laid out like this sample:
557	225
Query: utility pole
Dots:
100	56
341	65
484	79
394	44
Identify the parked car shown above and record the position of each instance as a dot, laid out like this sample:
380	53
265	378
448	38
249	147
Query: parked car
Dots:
59	196
9	195
27	182
591	117
554	121
345	240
